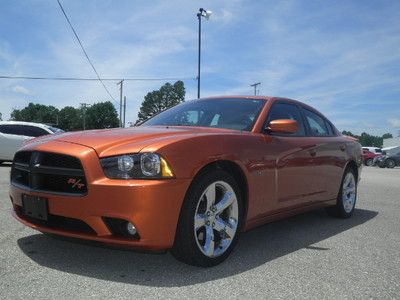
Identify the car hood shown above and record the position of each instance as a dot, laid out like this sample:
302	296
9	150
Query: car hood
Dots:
105	141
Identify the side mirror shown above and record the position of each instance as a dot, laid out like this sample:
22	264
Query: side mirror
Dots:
283	126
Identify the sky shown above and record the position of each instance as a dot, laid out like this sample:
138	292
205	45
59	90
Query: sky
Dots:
341	57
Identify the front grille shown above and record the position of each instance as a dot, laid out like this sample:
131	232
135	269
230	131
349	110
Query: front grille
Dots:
58	222
48	172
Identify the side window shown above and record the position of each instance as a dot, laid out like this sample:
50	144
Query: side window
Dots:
330	128
32	131
215	120
9	129
287	111
316	123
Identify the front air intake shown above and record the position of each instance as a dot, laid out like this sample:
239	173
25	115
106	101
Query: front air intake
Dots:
48	172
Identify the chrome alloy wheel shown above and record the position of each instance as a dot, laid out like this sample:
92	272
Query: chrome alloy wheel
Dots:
216	219
349	192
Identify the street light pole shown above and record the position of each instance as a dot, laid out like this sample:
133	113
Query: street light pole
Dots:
199	54
206	14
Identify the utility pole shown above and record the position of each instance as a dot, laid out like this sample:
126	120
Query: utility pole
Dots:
124	111
121	86
255	87
84	106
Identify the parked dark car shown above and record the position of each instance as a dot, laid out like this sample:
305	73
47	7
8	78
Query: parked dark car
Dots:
390	159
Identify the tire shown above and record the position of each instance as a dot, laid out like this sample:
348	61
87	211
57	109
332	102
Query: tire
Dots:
347	196
369	162
390	163
210	239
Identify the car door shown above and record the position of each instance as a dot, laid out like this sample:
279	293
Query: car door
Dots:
292	155
329	158
11	140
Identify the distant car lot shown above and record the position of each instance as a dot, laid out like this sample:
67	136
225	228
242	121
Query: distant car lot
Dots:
308	256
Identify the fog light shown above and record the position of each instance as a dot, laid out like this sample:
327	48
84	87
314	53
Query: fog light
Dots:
131	229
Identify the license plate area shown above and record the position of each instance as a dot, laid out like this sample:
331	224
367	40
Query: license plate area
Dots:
35	207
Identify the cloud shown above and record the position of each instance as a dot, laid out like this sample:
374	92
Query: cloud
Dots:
340	58
394	122
19	89
225	16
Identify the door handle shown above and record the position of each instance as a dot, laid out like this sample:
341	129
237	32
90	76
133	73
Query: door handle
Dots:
312	153
342	147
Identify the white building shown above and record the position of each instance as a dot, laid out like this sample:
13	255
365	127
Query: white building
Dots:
394	142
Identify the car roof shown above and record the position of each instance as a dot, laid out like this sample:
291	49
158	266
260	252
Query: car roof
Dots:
253	97
269	98
24	123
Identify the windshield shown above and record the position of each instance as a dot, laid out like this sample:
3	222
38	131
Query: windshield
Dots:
238	114
55	130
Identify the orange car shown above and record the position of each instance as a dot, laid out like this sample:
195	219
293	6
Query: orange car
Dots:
190	179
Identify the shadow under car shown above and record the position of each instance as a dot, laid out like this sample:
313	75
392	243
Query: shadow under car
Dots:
255	248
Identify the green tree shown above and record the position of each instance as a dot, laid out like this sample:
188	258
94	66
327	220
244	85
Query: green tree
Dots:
156	101
101	115
36	113
366	139
69	119
387	136
348	133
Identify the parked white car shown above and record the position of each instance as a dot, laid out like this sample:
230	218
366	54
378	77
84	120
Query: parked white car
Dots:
13	134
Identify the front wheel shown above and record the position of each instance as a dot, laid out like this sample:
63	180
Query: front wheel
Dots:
390	163
347	196
210	220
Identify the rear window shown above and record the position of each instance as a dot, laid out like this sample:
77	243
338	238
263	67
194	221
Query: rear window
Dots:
55	130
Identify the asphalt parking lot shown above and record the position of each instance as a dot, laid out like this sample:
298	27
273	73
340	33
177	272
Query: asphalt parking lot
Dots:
307	256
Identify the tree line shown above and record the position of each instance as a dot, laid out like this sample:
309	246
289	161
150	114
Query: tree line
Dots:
102	114
97	116
366	139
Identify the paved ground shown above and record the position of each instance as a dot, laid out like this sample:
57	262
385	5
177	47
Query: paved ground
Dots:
308	256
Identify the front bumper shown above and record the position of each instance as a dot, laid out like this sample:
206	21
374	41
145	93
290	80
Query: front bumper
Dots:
153	206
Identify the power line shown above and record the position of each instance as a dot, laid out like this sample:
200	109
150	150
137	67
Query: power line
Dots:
96	79
84	51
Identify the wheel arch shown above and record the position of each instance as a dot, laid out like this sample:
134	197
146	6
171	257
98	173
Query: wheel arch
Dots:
238	174
353	165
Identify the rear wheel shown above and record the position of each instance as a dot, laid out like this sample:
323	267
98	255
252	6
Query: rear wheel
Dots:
390	163
369	162
210	220
347	196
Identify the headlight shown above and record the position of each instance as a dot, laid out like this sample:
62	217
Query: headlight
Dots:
136	166
150	163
